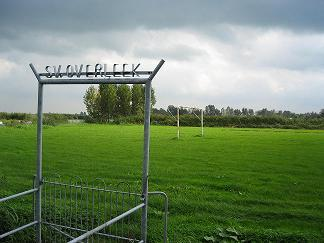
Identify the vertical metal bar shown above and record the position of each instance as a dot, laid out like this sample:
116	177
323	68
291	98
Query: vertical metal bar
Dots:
145	171
178	122
122	220
110	212
54	210
202	122
87	206
50	208
33	206
60	209
65	209
129	217
80	206
70	212
45	208
136	214
76	205
98	211
117	213
105	208
166	206
92	219
39	179
165	230
38	203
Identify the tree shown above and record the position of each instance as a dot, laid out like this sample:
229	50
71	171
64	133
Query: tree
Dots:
223	112
153	98
124	98
322	113
161	111
237	112
103	102
217	112
287	114
245	111
251	112
137	99
172	109
210	110
90	99
229	111
107	101
112	100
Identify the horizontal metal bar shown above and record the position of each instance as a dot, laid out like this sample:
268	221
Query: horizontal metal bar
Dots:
60	231
18	229
18	195
100	227
94	81
98	233
187	107
90	188
159	193
129	73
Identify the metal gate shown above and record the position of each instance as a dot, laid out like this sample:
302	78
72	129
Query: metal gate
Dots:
78	211
75	207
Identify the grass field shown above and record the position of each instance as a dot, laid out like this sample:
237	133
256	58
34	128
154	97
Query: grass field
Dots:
266	184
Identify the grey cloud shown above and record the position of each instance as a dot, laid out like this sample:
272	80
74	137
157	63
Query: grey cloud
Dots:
175	52
100	15
59	44
55	32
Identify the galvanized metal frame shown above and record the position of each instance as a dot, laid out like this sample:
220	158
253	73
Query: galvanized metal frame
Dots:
69	205
145	166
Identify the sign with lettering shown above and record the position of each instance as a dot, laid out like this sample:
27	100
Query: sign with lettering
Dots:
95	74
96	70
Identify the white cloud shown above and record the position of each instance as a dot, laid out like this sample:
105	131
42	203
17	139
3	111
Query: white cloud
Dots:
6	67
253	67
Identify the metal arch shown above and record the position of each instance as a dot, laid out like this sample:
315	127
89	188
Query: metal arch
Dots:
108	80
147	111
39	180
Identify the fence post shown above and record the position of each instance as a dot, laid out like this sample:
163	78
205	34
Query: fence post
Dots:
39	179
38	207
146	158
145	171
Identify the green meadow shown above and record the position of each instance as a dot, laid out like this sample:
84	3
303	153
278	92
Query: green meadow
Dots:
232	184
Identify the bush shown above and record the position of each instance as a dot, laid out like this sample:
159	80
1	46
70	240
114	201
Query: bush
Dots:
241	121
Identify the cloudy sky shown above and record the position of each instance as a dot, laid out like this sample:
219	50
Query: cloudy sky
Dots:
251	53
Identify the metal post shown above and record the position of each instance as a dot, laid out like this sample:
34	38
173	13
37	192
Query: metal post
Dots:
178	122
38	208
145	171
202	122
39	179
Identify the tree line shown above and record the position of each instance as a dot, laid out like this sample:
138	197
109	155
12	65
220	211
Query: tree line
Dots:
109	101
211	110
